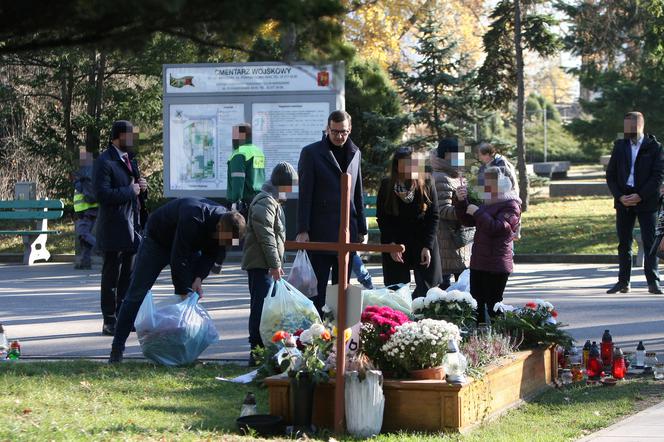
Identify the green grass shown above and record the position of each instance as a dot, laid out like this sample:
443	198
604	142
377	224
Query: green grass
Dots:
138	401
569	226
56	244
558	226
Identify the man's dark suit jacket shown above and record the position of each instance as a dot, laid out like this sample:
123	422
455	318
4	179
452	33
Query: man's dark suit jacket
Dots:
118	219
319	204
648	172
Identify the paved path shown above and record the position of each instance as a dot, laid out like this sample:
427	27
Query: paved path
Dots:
646	426
54	309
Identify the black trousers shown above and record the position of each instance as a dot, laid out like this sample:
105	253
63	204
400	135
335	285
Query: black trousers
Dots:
115	276
322	264
425	277
487	288
625	220
259	285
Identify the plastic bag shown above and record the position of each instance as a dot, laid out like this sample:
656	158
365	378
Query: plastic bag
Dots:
287	309
396	296
174	334
365	403
302	275
463	283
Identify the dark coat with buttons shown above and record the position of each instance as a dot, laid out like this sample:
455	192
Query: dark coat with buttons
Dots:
118	217
319	203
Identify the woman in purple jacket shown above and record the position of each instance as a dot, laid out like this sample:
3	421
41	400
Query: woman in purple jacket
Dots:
496	222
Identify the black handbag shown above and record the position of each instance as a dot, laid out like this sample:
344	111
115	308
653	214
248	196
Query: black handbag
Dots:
461	235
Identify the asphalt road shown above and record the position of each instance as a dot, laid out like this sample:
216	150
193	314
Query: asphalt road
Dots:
54	310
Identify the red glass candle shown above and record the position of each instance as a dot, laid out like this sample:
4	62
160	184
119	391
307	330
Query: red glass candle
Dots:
619	367
606	349
594	369
618	370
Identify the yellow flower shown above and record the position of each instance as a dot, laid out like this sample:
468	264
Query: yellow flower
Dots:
347	333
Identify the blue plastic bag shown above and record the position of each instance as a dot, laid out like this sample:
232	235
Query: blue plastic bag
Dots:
174	334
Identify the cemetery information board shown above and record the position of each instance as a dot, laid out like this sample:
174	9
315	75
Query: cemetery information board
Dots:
287	106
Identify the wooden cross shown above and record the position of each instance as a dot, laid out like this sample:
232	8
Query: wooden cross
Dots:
343	247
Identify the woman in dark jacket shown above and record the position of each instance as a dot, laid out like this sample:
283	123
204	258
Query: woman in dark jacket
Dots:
496	221
407	213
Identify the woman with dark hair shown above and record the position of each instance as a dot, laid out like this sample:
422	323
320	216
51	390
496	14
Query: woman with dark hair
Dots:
407	213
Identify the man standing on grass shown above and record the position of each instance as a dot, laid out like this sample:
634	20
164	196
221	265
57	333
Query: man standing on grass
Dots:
634	174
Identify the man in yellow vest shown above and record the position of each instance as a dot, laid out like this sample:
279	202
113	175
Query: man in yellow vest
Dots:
246	169
85	206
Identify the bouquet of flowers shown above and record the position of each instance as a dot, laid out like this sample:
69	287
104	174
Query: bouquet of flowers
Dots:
378	325
454	306
421	344
306	351
535	323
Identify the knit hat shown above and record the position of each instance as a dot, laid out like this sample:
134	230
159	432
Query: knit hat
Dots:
447	145
283	174
121	127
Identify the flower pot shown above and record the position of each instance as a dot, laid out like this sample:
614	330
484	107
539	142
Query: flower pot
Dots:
365	403
302	401
433	373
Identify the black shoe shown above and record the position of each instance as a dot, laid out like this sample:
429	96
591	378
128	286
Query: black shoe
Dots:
619	287
655	289
115	357
108	330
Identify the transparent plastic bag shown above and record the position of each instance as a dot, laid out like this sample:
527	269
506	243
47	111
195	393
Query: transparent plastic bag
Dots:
285	308
302	275
463	284
174	334
396	296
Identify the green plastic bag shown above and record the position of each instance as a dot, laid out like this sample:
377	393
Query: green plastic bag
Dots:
396	296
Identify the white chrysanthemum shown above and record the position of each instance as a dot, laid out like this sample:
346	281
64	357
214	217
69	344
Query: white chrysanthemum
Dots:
418	303
316	329
543	303
501	307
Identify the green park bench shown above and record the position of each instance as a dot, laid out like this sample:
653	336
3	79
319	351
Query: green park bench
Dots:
33	213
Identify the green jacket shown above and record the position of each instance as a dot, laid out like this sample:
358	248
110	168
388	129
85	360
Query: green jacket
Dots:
266	232
246	173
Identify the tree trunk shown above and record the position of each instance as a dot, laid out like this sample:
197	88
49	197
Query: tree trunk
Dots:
95	91
520	105
67	92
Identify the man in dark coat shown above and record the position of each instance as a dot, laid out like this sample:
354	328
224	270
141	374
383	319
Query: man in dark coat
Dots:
119	190
319	205
634	174
190	235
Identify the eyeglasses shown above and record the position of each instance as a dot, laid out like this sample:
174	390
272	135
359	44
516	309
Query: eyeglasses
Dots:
339	133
